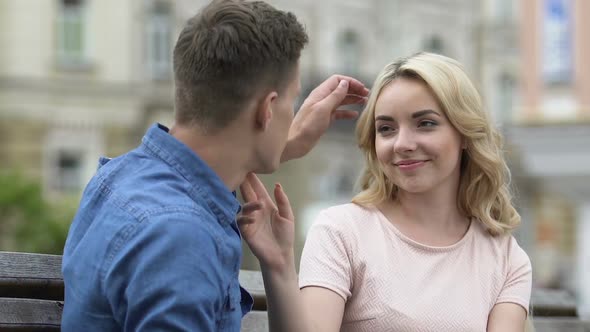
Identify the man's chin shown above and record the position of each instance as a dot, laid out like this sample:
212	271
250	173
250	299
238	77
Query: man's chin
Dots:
267	169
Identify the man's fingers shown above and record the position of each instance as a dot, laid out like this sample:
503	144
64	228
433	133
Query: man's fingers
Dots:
352	99
344	115
335	98
283	204
327	87
355	86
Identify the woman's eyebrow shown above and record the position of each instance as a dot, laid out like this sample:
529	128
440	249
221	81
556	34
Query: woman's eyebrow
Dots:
414	115
384	118
424	112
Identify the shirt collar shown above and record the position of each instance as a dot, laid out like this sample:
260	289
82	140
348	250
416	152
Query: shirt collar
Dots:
205	182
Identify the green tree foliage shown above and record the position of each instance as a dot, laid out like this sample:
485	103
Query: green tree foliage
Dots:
28	222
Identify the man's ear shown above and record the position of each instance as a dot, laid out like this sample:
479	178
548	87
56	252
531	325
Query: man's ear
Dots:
264	110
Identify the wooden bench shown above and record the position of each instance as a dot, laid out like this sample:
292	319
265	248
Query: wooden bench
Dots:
32	293
32	288
554	310
553	303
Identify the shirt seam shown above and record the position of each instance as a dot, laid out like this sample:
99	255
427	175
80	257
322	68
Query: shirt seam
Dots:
137	223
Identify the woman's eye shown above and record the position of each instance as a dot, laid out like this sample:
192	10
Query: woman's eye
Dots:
427	123
384	129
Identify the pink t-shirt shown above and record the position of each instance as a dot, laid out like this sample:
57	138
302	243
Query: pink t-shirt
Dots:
392	283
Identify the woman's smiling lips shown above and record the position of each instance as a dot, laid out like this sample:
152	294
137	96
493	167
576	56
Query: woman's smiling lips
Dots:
410	164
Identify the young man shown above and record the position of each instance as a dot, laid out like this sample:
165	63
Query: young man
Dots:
155	244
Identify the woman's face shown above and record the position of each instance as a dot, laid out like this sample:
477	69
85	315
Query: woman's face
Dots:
417	147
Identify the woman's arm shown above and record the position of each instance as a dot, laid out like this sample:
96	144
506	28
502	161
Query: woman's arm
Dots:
269	231
507	317
311	309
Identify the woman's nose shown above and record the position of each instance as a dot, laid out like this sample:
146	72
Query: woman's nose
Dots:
404	141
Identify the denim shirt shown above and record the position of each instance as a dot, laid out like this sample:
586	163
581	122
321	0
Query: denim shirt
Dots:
154	245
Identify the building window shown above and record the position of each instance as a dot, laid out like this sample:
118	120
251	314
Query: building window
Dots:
68	171
159	41
504	9
557	51
71	30
349	47
69	157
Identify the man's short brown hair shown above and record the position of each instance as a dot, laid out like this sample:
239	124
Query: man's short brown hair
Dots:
227	53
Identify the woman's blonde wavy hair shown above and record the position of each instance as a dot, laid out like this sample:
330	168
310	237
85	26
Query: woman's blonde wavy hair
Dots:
484	185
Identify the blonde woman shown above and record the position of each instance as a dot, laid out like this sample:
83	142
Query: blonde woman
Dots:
426	244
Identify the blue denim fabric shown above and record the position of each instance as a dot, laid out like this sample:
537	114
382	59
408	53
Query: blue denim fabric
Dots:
154	245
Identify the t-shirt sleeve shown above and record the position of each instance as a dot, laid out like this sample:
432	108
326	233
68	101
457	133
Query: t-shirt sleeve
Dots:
325	261
518	284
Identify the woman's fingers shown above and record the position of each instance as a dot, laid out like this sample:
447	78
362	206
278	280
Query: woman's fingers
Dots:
245	221
283	204
258	187
251	207
247	191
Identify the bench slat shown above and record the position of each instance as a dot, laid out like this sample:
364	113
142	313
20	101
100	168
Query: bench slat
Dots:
38	276
26	275
560	324
44	315
553	303
255	321
30	266
252	281
30	315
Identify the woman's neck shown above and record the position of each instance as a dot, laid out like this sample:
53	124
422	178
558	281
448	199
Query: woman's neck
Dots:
431	219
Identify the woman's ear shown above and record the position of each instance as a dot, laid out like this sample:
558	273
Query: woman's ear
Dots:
264	110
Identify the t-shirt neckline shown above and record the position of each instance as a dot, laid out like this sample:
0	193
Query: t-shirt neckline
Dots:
422	246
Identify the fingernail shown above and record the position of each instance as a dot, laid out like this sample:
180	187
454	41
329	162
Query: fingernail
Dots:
343	84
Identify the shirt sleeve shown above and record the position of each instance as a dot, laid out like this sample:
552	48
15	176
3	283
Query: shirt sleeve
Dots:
325	261
518	284
167	277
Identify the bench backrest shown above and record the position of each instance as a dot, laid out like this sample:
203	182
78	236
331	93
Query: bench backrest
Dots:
32	288
32	293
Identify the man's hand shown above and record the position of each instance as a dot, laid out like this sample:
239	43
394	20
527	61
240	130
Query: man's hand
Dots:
268	229
319	110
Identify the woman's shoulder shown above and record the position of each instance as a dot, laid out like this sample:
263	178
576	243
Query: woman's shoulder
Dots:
347	218
504	245
350	213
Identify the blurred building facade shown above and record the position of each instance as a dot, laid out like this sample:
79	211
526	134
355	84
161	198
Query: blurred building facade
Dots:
549	131
79	79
